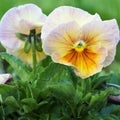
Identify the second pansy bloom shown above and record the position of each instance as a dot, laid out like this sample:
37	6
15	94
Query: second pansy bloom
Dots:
76	38
15	28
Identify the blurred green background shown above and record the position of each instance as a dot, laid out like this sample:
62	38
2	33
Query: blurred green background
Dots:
107	9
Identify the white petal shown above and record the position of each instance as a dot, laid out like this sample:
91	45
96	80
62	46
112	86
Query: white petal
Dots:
4	78
19	20
66	14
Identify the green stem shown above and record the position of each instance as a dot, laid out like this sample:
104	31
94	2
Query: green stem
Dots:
33	42
113	85
17	87
48	117
31	93
2	107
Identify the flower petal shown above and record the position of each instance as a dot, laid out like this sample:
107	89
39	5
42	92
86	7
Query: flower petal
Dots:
66	14
61	40
111	27
102	34
27	57
90	63
113	31
19	20
4	78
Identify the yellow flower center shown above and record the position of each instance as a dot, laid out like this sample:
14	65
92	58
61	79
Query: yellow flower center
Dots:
80	46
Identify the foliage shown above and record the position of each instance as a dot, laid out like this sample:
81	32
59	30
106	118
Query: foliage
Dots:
55	94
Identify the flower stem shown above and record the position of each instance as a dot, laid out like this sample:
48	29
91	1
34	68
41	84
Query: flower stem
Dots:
33	42
1	101
113	85
31	93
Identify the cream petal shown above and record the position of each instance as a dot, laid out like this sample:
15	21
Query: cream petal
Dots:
61	40
110	57
111	27
66	14
103	34
19	20
4	78
32	14
112	30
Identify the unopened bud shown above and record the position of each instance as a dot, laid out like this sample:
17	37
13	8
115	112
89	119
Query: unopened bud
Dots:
39	46
21	36
27	47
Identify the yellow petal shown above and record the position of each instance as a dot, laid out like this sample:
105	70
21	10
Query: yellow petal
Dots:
27	57
86	62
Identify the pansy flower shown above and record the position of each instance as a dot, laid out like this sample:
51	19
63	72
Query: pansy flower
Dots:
5	78
76	38
15	27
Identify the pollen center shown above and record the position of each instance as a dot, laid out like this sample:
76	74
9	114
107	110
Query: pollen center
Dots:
80	46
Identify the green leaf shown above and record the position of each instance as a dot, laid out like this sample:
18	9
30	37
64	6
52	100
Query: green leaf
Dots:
22	70
99	100
12	102
7	90
97	83
115	78
52	73
44	63
43	103
106	110
11	105
61	91
29	104
87	97
73	76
